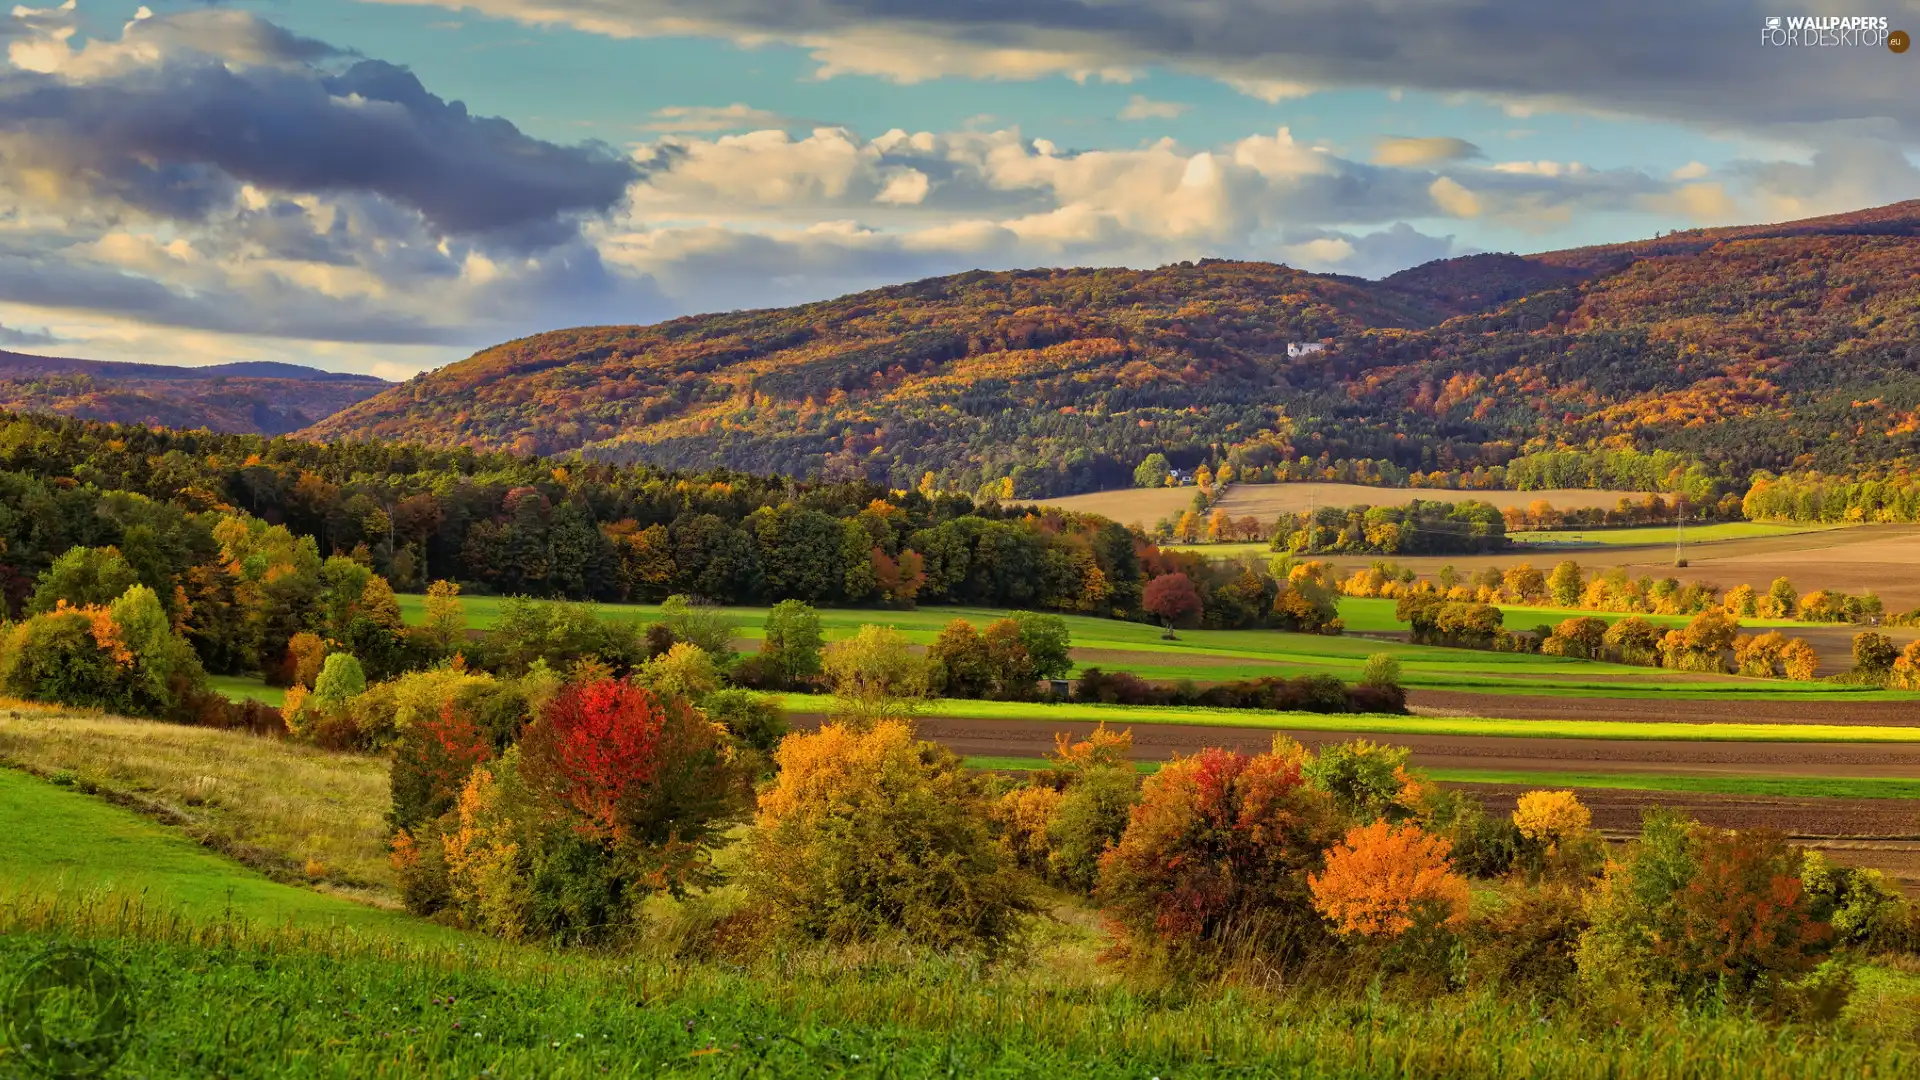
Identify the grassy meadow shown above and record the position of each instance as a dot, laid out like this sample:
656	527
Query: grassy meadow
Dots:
246	977
1660	534
1218	655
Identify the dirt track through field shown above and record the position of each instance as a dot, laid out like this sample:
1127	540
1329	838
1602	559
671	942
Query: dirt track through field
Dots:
1523	707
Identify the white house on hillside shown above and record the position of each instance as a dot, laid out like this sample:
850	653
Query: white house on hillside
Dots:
1298	349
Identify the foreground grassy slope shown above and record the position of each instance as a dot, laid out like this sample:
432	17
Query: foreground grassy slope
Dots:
294	811
56	840
243	978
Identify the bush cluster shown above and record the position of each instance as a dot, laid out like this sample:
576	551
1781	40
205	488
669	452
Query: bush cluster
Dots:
1306	693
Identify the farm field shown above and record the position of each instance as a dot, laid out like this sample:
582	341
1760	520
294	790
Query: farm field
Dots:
1567	539
1215	655
1144	506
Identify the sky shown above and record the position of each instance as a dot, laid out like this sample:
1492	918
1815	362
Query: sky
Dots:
386	186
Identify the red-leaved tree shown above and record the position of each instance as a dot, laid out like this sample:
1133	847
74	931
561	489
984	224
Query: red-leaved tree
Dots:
596	743
431	764
1217	852
647	774
1172	597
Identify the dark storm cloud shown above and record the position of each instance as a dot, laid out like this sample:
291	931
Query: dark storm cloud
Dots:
175	138
1700	61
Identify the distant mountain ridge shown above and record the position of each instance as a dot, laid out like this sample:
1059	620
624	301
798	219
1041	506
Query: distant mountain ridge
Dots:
1748	346
250	397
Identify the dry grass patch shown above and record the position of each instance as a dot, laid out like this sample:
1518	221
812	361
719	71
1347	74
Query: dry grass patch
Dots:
293	811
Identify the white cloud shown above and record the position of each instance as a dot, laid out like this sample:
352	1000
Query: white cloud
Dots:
1454	199
1692	170
1140	107
1401	151
697	119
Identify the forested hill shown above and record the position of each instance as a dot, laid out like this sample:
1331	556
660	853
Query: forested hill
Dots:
1780	346
244	398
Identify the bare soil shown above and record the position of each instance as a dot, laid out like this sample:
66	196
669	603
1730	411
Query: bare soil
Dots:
1159	742
1525	707
1883	559
1144	506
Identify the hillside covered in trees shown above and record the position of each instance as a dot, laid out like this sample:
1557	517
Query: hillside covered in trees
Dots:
243	398
1789	347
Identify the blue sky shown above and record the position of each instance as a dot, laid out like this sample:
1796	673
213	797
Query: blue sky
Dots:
197	182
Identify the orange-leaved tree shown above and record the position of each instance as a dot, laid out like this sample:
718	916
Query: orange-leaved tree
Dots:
1384	878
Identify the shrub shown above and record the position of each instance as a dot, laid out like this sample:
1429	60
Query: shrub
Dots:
756	720
1091	817
431	764
1216	855
1905	674
1526	946
1633	640
1760	655
1482	846
1382	879
1690	910
645	775
875	676
1367	781
868	833
1382	672
124	657
1799	660
1863	909
1583	637
684	671
1874	653
1022	816
1549	817
1701	645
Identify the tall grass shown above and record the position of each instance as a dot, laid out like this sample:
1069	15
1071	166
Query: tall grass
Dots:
286	808
242	1000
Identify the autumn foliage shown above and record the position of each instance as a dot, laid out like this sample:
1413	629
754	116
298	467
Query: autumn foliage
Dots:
1383	878
1218	851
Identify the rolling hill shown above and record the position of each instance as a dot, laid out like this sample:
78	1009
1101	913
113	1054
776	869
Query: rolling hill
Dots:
1774	346
255	398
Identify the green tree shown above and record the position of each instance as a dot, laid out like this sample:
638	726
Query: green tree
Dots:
1565	584
341	679
83	576
791	647
1048	643
958	663
1152	472
875	675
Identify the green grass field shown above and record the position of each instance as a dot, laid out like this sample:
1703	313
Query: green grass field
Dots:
1659	534
241	688
58	840
1216	655
1125	715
